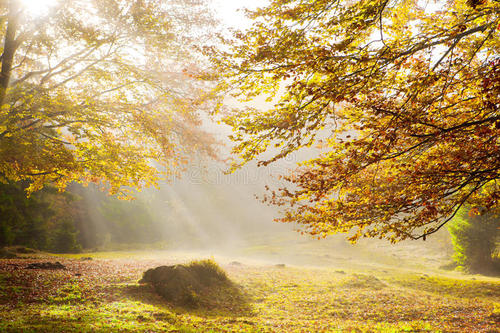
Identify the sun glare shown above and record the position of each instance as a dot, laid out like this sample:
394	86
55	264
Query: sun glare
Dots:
38	7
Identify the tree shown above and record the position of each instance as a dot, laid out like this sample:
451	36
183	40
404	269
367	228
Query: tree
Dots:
23	221
474	239
32	221
64	239
402	101
80	217
95	90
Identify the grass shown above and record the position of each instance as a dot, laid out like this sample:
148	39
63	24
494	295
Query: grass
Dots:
452	287
102	295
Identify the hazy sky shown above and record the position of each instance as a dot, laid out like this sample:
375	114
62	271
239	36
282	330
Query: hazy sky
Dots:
229	11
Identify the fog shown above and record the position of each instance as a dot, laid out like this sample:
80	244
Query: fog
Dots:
208	212
211	213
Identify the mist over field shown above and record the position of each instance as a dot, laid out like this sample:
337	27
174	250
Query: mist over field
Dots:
208	212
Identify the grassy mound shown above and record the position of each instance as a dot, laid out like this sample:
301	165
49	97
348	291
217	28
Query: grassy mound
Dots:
362	281
7	254
13	252
197	284
21	249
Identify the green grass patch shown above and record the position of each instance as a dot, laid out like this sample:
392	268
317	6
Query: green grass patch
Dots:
449	286
69	293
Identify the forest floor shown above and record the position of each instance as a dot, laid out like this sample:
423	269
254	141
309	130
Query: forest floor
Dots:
102	295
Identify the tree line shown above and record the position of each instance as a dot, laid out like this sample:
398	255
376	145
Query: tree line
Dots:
80	218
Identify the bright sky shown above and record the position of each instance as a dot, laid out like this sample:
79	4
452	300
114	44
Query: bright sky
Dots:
38	7
230	13
228	10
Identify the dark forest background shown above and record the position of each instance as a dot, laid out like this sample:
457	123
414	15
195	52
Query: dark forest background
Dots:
81	217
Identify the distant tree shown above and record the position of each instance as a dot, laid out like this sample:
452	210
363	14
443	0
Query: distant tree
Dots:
97	90
68	221
29	221
129	222
475	240
64	239
402	101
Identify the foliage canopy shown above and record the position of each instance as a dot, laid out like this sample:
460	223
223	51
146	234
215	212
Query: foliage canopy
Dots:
96	90
401	99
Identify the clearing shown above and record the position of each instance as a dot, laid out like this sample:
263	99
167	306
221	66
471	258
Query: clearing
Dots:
103	295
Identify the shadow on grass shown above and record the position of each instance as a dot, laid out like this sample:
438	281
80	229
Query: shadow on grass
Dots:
224	300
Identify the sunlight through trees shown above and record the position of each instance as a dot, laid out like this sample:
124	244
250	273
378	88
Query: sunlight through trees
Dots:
400	100
96	90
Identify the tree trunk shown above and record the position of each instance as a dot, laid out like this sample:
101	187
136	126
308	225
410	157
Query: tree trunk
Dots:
9	49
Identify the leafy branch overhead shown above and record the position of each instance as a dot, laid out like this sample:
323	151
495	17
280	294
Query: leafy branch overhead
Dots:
401	98
95	90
